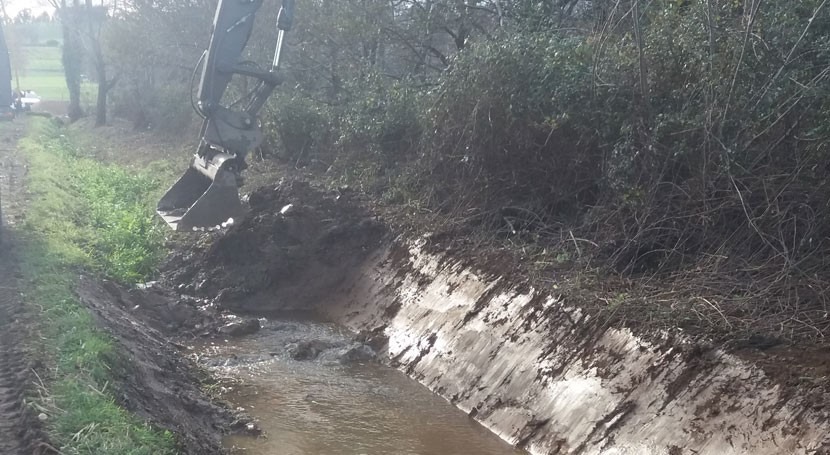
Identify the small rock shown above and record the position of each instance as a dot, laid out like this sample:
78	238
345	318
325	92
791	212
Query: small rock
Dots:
42	417
253	429
307	350
356	352
240	328
287	210
243	424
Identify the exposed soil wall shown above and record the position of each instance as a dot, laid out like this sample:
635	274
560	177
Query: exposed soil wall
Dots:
546	377
543	375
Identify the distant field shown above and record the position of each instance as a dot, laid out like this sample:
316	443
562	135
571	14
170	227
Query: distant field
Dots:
36	33
44	75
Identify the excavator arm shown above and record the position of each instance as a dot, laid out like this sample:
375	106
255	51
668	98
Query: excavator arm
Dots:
207	195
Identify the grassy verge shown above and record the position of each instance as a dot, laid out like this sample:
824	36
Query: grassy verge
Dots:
43	73
84	215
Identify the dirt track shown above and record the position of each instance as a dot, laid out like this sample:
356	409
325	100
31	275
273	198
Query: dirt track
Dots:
19	431
150	376
16	432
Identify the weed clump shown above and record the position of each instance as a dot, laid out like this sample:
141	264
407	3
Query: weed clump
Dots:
99	215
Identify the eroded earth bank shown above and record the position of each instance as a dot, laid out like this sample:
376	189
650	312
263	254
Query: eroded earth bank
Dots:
545	376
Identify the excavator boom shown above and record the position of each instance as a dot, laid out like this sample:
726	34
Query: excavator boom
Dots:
207	195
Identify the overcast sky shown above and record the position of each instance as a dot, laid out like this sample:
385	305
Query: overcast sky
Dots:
37	6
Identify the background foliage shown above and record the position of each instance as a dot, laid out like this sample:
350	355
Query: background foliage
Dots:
681	140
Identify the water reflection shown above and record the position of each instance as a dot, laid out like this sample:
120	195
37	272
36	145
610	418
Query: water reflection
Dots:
325	407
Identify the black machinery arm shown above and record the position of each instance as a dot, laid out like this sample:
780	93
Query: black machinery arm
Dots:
232	29
207	194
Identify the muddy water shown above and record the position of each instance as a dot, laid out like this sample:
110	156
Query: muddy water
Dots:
333	406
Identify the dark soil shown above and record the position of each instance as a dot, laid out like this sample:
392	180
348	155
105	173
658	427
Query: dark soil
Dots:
155	381
292	250
20	431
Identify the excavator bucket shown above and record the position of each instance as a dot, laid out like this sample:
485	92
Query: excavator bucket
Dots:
205	197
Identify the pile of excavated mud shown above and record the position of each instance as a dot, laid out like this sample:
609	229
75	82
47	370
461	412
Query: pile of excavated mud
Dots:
296	245
154	380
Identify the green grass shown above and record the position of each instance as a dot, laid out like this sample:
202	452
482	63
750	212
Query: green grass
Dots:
84	215
44	74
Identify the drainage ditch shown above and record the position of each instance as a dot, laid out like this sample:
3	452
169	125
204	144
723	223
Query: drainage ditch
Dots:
313	390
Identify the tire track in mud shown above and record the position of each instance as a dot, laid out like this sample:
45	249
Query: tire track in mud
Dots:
19	430
16	429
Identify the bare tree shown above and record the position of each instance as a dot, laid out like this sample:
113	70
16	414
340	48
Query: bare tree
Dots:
72	57
94	19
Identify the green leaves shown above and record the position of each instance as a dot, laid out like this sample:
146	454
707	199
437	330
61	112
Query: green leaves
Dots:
126	239
100	212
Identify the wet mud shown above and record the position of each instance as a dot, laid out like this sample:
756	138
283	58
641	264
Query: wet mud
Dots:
20	431
295	247
153	378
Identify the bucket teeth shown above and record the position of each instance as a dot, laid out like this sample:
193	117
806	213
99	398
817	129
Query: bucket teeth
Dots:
204	197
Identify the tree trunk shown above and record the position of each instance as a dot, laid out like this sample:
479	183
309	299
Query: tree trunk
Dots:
94	45
104	87
71	58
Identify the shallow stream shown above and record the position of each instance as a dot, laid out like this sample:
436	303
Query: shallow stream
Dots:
336	401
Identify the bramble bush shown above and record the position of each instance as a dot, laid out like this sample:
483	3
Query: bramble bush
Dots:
691	144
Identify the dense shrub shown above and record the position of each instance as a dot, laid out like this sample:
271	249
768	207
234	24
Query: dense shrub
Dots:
502	129
148	106
697	152
298	128
682	139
